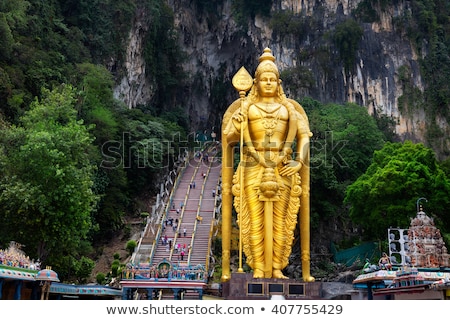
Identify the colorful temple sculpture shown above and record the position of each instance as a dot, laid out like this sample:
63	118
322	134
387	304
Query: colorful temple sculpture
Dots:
22	278
426	248
163	280
17	274
420	265
420	246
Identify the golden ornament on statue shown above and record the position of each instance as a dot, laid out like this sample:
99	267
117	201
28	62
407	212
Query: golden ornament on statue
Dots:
242	80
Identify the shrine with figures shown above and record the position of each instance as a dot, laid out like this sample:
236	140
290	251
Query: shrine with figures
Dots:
420	264
421	245
22	278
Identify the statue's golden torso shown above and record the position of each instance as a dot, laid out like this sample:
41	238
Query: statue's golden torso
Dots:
267	125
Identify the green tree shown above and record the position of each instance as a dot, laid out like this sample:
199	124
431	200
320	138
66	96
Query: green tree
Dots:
84	268
386	194
105	24
344	139
163	55
96	103
6	38
97	106
151	145
46	178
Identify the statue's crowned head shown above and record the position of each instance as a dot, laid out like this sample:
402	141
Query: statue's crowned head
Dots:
266	64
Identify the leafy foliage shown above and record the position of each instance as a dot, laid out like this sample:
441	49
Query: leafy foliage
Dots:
51	42
46	177
101	278
245	9
297	77
6	38
130	246
412	99
163	56
95	19
84	269
96	102
344	139
345	136
385	195
209	6
366	12
286	23
347	37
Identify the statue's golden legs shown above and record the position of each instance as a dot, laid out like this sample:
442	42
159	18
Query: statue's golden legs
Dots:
268	238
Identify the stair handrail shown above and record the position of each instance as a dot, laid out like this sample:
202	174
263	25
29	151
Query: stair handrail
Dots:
211	229
180	220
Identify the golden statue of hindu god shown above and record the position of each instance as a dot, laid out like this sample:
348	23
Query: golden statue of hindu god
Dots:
271	184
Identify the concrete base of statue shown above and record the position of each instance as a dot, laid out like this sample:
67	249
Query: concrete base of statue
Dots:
242	286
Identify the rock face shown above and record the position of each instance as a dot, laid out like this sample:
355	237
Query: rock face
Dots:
217	46
134	88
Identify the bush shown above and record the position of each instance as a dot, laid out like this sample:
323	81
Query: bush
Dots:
101	278
115	268
131	245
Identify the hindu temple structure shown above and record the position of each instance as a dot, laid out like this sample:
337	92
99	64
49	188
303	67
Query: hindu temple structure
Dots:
426	248
22	278
421	245
418	253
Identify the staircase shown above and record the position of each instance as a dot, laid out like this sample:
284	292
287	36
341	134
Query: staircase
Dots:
203	228
182	200
189	220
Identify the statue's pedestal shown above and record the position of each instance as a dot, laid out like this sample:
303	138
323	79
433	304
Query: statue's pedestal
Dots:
242	286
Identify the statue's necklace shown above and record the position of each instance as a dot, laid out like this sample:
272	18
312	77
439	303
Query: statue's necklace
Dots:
269	120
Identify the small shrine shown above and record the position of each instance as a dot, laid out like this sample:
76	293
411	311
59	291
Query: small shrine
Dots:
426	248
419	263
22	278
421	245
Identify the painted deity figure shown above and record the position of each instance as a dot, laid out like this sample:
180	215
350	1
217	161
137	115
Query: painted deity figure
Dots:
271	183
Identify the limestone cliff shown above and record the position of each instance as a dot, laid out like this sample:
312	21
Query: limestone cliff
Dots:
217	46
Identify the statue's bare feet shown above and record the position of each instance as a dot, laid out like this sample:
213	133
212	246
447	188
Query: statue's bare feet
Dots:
278	274
257	273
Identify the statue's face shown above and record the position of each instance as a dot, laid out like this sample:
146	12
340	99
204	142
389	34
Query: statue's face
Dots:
267	84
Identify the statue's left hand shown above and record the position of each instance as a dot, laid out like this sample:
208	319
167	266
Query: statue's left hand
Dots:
290	168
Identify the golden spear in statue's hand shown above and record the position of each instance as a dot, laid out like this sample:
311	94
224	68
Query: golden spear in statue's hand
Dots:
242	82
